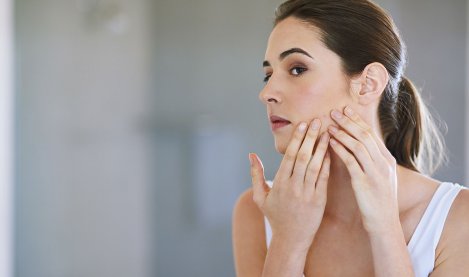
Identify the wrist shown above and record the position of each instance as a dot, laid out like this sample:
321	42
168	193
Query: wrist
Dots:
290	245
384	228
394	230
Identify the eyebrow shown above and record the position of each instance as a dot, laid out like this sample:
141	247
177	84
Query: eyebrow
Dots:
288	52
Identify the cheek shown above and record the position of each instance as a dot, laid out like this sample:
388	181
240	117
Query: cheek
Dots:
317	101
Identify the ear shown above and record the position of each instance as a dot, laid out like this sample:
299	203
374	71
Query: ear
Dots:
370	84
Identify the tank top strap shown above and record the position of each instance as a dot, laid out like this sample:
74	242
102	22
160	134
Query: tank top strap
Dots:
427	234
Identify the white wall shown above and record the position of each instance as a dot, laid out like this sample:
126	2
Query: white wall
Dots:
6	131
82	171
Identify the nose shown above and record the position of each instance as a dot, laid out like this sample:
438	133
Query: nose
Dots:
269	94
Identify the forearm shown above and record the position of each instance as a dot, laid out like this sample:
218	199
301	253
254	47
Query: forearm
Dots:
390	255
284	260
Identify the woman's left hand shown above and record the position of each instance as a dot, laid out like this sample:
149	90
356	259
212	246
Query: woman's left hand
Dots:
372	169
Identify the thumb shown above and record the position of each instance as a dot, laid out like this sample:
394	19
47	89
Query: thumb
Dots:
259	186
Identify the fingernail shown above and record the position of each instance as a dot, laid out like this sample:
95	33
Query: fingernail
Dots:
336	114
302	127
349	111
316	124
251	159
333	129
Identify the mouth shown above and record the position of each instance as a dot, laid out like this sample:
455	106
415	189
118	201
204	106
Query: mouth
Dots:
277	122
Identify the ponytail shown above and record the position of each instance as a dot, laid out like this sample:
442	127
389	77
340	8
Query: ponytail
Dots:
415	140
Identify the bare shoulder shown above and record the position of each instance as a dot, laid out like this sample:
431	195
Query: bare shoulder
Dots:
451	254
249	246
416	192
457	222
246	213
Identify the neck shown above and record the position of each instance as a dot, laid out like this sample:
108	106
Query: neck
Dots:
341	206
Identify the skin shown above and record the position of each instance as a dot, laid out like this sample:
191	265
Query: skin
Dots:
351	194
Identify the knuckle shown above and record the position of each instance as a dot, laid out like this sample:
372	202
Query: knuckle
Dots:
308	180
346	121
314	171
293	192
311	134
322	146
325	175
364	133
358	147
297	177
299	135
355	117
349	160
289	157
303	157
339	133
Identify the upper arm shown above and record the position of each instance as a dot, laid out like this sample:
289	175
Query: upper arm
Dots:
452	256
249	244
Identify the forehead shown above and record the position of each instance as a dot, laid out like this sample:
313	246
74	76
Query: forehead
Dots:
290	33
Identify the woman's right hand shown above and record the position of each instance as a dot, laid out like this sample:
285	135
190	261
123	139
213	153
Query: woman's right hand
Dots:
295	204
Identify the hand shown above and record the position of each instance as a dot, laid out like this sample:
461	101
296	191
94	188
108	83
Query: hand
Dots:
372	169
295	204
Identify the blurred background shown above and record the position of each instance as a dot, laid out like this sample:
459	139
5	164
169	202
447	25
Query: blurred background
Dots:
133	121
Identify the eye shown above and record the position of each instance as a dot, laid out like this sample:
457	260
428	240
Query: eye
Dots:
267	77
296	71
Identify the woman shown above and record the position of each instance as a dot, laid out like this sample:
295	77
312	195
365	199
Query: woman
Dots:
351	197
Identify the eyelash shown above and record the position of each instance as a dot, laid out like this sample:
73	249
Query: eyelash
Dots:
301	69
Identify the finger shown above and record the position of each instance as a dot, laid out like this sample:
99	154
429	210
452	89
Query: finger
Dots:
348	159
288	161
354	146
323	178
306	151
260	188
362	134
314	165
379	142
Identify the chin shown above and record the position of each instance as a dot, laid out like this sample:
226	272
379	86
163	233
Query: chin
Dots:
280	146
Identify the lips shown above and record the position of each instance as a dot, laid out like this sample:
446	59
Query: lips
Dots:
278	122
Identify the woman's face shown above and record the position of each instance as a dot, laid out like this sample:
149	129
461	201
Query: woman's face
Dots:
304	80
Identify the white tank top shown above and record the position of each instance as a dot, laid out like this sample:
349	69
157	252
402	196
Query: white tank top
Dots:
427	234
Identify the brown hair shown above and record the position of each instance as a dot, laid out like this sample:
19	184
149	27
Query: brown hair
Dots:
360	32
